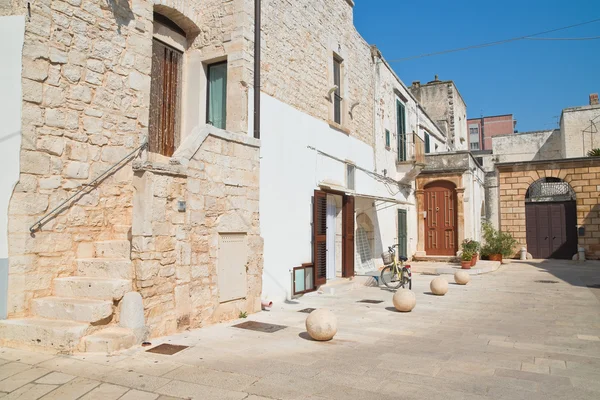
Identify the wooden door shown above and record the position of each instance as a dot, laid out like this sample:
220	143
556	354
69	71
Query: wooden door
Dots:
320	237
440	221
402	234
551	230
348	236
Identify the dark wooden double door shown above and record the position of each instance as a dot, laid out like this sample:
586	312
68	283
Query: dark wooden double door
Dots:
320	236
551	229
440	219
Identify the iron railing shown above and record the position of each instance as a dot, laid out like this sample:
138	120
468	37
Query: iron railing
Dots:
40	222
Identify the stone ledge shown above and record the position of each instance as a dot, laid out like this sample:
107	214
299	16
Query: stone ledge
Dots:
160	168
192	143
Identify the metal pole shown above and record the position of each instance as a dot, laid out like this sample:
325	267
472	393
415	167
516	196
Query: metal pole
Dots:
257	69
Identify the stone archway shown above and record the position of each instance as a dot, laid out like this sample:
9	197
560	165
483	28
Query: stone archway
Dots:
551	218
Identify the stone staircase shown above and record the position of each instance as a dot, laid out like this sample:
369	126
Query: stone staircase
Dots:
80	314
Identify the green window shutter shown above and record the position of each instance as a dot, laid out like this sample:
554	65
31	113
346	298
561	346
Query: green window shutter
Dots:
216	112
427	145
402	233
387	138
401	129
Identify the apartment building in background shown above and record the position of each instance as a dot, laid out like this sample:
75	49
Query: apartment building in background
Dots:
483	129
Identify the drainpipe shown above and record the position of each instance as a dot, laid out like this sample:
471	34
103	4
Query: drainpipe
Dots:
257	69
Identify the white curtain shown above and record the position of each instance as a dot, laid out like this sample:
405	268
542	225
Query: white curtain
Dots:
330	237
217	89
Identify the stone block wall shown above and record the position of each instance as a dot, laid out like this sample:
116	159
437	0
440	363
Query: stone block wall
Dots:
175	252
86	93
299	39
583	176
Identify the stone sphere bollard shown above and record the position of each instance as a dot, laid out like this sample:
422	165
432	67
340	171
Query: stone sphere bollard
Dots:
439	286
404	300
462	277
321	324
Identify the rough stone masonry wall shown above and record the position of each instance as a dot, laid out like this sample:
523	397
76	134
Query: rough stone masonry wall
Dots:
584	178
298	40
86	91
175	253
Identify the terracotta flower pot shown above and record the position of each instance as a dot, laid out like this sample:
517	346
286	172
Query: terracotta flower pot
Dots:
474	260
465	264
496	257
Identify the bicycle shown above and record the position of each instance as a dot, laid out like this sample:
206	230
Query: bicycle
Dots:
395	275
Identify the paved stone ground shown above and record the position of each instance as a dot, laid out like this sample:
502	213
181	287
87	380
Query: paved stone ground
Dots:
504	336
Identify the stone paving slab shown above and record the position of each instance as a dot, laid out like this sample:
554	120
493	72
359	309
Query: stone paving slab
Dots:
503	336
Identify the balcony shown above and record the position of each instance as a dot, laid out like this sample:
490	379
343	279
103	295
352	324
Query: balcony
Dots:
415	159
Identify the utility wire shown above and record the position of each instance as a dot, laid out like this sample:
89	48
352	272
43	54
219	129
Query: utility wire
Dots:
582	38
498	42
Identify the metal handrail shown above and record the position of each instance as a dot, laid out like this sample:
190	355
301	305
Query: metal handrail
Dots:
39	223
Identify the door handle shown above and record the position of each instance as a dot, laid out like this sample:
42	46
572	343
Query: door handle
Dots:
546	238
554	237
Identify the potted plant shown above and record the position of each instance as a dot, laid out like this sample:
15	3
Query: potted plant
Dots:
465	259
473	247
498	245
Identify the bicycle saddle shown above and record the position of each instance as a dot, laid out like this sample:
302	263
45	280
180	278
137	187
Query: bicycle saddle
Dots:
403	258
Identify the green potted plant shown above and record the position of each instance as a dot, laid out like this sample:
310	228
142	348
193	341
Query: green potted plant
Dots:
473	247
498	244
465	259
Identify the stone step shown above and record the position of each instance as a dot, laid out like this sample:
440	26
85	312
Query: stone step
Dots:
109	340
115	268
72	308
91	288
38	333
113	249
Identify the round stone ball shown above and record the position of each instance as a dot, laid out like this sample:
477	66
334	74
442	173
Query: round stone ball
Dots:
462	277
404	300
439	286
321	324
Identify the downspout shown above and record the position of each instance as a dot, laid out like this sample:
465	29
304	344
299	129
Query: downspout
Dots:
257	69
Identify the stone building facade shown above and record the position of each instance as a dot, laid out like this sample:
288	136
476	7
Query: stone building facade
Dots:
154	224
581	174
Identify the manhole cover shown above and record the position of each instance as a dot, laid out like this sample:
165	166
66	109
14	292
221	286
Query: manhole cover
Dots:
545	281
594	286
260	326
370	301
307	310
167	349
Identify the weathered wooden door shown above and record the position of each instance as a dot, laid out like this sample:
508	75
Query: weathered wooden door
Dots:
551	229
440	221
348	236
320	237
402	233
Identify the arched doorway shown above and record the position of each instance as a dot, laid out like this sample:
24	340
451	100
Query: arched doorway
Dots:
440	219
551	219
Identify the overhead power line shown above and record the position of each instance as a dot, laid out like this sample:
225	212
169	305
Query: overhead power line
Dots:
568	38
498	42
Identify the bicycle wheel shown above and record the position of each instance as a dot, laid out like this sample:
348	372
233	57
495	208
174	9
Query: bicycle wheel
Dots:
390	278
406	279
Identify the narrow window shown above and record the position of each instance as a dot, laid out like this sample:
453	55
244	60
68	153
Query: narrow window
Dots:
427	143
216	105
350	169
165	99
387	139
401	129
337	96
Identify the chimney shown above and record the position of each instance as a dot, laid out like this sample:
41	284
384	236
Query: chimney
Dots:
416	84
594	99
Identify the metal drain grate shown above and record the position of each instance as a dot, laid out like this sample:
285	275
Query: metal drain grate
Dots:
546	281
167	349
260	326
594	286
307	310
368	301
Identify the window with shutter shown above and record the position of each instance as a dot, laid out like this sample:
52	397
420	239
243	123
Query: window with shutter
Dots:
427	143
348	236
337	96
320	237
387	139
216	105
165	99
401	130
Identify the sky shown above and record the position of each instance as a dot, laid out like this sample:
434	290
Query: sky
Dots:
532	79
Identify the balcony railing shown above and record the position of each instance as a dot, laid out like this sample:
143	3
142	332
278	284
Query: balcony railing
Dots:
418	149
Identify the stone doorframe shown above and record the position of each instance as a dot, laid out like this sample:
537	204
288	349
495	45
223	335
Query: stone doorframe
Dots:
421	182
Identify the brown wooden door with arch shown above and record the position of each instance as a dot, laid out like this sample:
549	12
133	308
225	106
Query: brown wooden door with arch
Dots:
440	220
